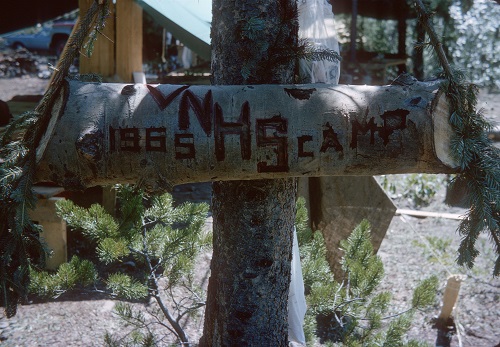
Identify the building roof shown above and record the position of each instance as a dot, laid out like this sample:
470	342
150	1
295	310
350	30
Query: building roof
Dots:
188	20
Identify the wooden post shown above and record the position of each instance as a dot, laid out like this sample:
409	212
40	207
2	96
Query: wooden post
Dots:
102	60
117	53
54	227
450	296
167	135
445	324
128	39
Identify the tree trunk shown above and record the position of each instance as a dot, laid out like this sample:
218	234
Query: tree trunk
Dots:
253	220
175	134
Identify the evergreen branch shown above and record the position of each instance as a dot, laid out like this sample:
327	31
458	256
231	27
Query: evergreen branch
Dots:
179	332
308	51
392	315
160	322
478	159
16	229
425	20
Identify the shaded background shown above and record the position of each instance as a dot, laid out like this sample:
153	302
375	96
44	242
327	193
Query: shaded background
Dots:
16	15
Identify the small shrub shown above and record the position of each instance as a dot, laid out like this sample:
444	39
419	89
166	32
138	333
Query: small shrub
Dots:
419	189
436	249
352	313
162	240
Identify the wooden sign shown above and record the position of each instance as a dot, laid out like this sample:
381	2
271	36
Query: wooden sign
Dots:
164	135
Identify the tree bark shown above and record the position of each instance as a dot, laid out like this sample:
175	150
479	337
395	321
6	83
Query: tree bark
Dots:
253	220
167	135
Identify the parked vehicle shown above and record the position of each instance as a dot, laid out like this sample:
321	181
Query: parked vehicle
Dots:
51	38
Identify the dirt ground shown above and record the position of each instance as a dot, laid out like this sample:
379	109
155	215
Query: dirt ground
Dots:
82	319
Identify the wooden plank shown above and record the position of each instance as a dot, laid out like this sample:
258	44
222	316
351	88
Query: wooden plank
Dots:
340	203
102	61
424	214
128	39
165	134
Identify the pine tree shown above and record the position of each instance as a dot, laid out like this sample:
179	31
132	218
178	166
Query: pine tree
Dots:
162	240
351	311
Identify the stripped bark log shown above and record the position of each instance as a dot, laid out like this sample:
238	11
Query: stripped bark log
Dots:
164	135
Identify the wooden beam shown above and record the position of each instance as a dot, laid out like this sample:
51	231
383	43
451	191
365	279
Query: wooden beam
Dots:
167	135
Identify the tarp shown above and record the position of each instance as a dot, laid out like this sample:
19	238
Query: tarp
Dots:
188	20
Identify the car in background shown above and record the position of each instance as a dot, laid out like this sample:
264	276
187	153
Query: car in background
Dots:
50	38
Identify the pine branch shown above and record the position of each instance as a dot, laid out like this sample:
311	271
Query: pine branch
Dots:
477	157
424	18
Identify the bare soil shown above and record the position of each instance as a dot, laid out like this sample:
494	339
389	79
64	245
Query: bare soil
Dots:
82	319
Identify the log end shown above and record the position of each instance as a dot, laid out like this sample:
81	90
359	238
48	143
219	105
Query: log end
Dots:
443	132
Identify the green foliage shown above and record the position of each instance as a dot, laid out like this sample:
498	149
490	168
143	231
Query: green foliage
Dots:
435	247
478	159
419	189
424	293
69	275
95	222
364	269
98	28
352	312
126	287
163	241
477	40
19	236
308	51
136	338
141	335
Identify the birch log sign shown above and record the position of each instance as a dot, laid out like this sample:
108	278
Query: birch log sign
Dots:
162	135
